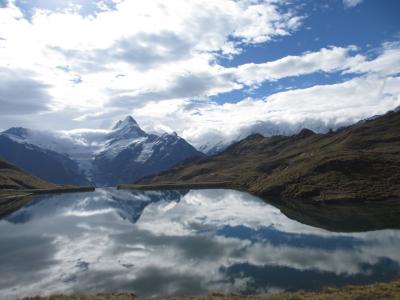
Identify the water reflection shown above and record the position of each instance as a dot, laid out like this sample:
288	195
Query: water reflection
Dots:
179	243
344	218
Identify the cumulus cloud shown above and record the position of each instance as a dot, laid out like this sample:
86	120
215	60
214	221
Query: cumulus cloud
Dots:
186	86
319	108
386	63
125	53
180	91
325	60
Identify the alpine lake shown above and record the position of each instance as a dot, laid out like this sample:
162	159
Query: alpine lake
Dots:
191	242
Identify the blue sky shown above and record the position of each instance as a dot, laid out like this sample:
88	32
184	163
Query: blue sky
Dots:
326	23
213	71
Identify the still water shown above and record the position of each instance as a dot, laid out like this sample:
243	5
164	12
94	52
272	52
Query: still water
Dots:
179	243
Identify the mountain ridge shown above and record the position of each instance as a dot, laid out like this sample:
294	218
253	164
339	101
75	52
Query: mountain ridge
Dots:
103	157
47	164
357	163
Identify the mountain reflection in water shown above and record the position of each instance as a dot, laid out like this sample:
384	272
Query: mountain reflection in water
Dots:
180	243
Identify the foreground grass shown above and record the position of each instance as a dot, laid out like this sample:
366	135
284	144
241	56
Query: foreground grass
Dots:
377	291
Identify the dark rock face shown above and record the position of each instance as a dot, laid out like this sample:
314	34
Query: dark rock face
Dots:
48	165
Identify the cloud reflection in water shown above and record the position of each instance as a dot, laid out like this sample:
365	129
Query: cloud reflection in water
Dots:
179	243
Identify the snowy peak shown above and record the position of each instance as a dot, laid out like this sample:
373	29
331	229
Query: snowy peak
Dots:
105	157
126	129
127	122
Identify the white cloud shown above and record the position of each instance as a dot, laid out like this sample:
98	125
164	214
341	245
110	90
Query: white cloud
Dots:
213	80
319	108
159	61
351	3
386	63
137	49
325	60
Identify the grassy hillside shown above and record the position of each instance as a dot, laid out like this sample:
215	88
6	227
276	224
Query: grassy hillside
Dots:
358	163
14	178
16	185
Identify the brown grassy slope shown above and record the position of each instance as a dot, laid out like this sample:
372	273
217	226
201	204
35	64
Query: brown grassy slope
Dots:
14	178
378	291
361	162
16	185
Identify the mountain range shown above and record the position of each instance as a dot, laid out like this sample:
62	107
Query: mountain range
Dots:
357	163
102	157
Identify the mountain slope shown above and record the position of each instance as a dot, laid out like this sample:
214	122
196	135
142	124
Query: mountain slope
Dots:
16	186
46	164
360	162
103	157
14	178
130	153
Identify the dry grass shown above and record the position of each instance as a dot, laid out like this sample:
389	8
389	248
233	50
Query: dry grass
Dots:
15	178
377	291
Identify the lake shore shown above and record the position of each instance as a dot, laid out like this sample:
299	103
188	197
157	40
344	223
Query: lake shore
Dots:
177	186
243	188
376	291
336	216
12	199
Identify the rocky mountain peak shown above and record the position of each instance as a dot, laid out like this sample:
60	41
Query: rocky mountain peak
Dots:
126	129
128	121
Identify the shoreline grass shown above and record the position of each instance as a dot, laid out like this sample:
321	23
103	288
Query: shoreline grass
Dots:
375	291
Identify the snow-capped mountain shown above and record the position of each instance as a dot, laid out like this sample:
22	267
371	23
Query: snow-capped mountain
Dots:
46	164
213	148
129	153
106	157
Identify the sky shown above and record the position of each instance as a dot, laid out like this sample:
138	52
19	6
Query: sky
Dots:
210	70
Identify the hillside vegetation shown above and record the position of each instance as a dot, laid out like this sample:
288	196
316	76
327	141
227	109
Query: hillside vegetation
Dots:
357	163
